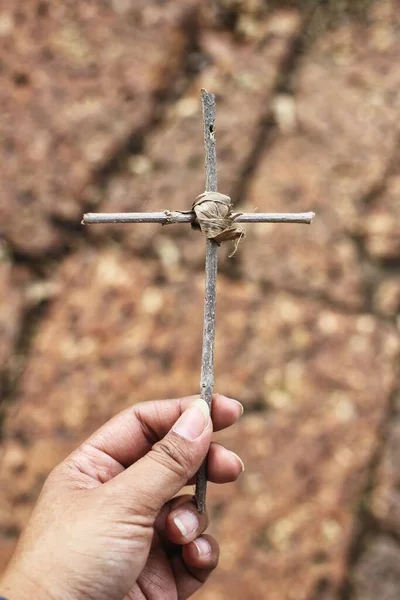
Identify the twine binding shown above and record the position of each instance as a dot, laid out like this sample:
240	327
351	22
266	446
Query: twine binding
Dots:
216	220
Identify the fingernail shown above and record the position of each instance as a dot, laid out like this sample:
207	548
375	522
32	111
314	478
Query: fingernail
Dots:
239	460
193	421
186	522
203	547
240	404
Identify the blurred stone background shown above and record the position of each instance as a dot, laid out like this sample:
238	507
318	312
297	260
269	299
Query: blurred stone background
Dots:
100	110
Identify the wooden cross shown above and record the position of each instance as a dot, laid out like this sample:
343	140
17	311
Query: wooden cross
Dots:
166	217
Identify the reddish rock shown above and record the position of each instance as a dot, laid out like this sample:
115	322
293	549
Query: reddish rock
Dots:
334	151
294	176
324	376
78	81
387	296
11	305
378	572
379	230
385	499
296	342
287	525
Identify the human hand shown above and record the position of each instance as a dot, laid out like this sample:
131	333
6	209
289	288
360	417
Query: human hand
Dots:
106	525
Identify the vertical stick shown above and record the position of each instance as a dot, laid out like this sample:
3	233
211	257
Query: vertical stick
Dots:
207	359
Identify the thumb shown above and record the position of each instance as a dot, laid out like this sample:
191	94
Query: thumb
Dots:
171	462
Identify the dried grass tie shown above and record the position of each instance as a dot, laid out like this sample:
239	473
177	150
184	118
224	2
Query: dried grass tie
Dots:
216	220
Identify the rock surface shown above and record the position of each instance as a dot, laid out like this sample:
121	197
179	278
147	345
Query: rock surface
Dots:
81	81
11	304
378	574
100	110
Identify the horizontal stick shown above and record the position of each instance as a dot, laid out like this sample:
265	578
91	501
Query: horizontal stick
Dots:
167	217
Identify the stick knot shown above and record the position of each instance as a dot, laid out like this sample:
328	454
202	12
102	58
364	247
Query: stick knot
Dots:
215	219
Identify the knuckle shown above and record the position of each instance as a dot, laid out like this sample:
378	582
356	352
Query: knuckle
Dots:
169	454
